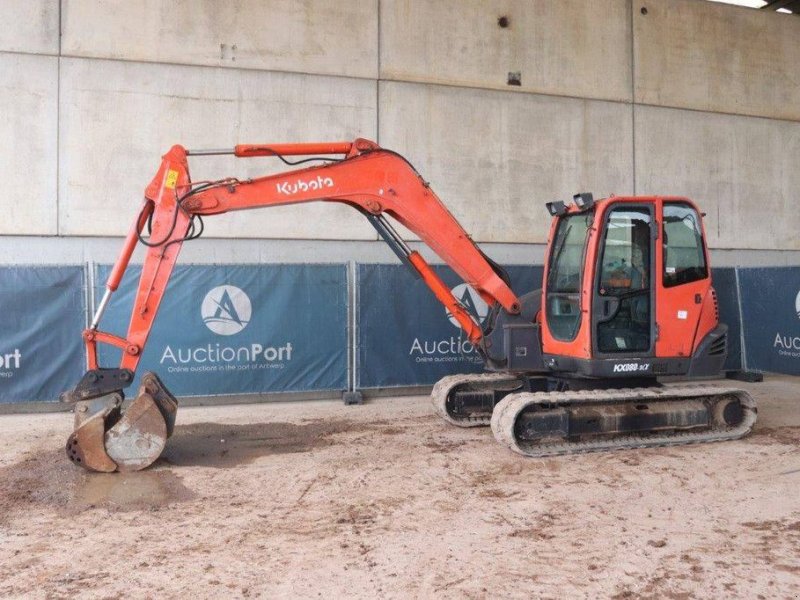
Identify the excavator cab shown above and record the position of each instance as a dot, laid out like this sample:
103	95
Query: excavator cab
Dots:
609	261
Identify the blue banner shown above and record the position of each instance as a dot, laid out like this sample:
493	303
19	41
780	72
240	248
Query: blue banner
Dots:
275	328
231	329
43	313
771	318
406	337
724	281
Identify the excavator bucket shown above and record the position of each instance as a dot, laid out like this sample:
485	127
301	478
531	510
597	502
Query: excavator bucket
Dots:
86	447
106	439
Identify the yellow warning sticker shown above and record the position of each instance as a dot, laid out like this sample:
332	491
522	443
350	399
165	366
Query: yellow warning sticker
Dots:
172	179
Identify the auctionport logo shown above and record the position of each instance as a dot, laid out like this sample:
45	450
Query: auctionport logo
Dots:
788	345
226	310
472	302
455	348
797	305
9	362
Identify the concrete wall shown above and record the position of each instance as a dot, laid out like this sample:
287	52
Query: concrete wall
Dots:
114	114
29	130
614	96
308	36
29	26
498	156
553	45
743	170
708	56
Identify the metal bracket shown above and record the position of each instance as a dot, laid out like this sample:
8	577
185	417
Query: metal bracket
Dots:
99	382
354	397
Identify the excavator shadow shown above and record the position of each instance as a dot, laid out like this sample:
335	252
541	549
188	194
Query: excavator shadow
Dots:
40	480
225	445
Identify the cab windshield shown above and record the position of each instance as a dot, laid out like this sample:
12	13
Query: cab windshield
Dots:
564	275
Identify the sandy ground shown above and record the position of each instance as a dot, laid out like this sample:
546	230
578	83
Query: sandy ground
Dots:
384	500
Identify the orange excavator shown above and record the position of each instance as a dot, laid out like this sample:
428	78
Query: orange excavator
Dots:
572	367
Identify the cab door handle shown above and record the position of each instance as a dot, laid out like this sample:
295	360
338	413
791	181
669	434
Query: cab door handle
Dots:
608	309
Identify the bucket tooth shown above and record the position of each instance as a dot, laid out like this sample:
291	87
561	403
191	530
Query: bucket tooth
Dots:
139	437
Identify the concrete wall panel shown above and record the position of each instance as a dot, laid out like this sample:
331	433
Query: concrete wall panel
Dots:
312	36
117	118
29	26
715	57
495	158
742	171
28	128
568	47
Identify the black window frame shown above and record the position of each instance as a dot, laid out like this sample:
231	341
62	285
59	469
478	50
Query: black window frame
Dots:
589	215
701	272
651	210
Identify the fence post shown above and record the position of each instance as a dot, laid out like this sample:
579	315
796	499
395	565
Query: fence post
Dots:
352	395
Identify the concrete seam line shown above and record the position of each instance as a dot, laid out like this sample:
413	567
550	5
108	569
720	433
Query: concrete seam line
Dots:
633	96
202	66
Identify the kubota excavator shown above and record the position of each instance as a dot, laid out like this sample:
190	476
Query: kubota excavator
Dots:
573	367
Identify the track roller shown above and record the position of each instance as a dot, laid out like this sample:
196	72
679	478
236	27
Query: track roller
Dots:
468	400
553	423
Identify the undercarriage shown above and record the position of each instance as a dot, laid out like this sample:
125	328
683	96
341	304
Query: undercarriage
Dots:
540	415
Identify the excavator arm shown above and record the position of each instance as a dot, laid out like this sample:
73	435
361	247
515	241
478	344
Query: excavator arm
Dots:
375	181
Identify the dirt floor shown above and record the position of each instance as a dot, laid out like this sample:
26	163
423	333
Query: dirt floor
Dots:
384	500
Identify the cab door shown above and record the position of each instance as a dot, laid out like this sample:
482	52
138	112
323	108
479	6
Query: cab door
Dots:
683	276
622	309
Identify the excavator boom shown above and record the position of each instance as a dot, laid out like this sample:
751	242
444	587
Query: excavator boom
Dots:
374	181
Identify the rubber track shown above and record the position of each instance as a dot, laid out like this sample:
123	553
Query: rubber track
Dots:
509	408
443	387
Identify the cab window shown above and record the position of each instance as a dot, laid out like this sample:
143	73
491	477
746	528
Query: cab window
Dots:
624	281
684	257
565	274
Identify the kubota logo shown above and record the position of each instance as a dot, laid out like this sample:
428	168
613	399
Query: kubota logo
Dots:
292	187
226	310
471	301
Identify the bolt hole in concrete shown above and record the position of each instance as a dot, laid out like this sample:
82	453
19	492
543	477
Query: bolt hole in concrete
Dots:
503	22
514	78
644	10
